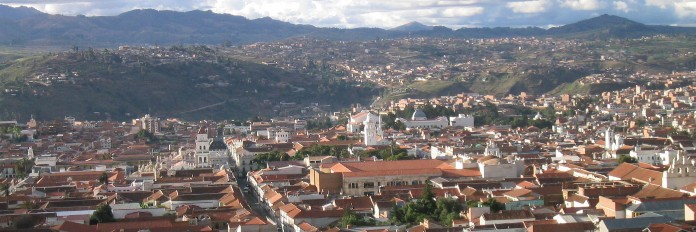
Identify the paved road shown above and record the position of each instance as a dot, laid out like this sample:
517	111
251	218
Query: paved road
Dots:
253	202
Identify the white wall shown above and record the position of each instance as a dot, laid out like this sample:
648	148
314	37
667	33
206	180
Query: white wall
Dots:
501	170
121	213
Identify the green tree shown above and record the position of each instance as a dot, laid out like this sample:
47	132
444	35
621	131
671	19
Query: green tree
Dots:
264	158
101	215
4	189
494	205
396	215
23	167
28	205
391	153
322	150
15	130
350	218
24	222
446	210
627	159
147	136
542	123
426	202
549	113
104	179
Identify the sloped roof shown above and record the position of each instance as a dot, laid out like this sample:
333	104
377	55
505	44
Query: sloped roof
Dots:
508	215
627	171
632	223
652	206
657	192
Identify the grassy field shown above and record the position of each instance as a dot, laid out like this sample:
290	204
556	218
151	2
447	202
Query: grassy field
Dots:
423	89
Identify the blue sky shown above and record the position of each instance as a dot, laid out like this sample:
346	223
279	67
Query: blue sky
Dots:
391	13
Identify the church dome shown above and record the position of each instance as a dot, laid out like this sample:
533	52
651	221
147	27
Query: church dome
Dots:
218	145
418	115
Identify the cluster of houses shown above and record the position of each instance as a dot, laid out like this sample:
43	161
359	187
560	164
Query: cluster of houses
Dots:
624	163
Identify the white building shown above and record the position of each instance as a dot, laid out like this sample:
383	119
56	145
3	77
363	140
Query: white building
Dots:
356	121
494	168
209	152
681	172
150	124
463	120
492	149
372	131
419	120
646	156
612	142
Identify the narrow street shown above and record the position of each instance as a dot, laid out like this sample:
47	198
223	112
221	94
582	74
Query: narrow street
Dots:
253	201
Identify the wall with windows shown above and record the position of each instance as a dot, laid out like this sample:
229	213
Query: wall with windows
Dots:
370	185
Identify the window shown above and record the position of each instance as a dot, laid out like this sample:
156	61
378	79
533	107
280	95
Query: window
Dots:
353	185
369	185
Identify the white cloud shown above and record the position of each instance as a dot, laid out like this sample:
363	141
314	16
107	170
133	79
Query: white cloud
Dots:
621	6
390	13
685	9
462	11
582	4
659	3
527	7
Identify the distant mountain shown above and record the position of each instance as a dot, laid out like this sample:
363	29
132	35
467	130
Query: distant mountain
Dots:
15	13
27	26
412	26
603	26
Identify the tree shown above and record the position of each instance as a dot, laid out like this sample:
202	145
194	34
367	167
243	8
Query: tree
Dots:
443	210
542	123
24	222
549	113
391	153
494	205
29	204
396	215
350	218
148	136
16	131
275	155
4	189
104	179
426	202
101	215
447	210
23	167
627	159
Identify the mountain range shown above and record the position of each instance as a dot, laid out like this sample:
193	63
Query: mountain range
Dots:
28	26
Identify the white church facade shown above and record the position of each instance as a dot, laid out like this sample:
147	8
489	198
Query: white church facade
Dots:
209	153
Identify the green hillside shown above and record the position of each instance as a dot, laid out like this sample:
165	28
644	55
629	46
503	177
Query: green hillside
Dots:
95	86
532	80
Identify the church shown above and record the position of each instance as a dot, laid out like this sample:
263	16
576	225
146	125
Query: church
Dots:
420	120
372	130
209	153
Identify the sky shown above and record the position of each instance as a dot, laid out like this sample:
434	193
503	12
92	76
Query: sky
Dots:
392	13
